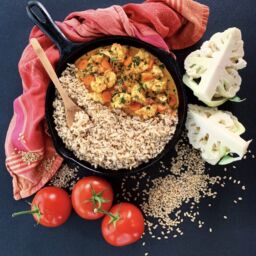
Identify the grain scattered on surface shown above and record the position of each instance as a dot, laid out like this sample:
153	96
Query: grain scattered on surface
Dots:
65	177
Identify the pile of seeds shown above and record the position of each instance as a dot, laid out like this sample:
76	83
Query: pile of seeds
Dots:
173	197
30	157
66	177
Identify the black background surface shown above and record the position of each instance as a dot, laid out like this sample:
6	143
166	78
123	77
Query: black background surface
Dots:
236	236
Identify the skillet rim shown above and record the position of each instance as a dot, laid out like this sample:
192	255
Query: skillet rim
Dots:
78	50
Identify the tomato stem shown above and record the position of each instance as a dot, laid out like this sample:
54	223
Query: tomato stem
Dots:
24	212
105	212
35	211
113	218
97	199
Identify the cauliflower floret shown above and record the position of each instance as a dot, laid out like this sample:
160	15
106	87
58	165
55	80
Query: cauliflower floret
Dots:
138	94
147	111
110	78
117	52
103	82
162	98
96	97
157	71
120	100
94	63
140	62
212	71
96	58
155	85
216	133
99	84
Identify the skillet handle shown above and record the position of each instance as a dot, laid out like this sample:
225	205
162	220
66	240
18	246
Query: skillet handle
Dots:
40	16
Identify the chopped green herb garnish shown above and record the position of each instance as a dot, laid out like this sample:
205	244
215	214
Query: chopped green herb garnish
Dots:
145	86
136	60
122	100
140	87
113	59
161	66
120	81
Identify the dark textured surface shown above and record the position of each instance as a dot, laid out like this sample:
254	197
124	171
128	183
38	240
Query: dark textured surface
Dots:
234	237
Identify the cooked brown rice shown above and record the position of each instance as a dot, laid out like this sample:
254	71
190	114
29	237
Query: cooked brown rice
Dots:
109	138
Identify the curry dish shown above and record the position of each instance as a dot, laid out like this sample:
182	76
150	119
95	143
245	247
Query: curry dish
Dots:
128	78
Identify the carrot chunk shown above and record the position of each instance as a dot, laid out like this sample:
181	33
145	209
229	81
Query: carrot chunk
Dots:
147	76
151	63
128	61
82	64
134	106
161	108
105	64
106	96
88	79
172	100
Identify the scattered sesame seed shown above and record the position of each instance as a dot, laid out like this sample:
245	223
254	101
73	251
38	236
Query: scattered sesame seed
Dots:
240	198
185	182
64	177
225	217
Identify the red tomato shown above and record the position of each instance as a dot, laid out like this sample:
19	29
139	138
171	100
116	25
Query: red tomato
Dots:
91	193
51	207
124	226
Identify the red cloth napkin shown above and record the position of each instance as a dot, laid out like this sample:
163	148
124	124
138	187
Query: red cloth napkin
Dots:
30	156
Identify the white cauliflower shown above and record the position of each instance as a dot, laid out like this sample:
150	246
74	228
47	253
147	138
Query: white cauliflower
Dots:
216	133
212	71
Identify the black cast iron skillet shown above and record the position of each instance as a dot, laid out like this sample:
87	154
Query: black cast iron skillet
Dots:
69	52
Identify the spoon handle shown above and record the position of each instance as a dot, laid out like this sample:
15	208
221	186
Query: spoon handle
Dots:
49	69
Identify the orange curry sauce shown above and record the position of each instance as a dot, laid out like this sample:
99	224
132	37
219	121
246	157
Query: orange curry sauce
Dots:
128	78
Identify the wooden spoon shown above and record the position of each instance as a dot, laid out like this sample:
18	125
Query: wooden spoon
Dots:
70	107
